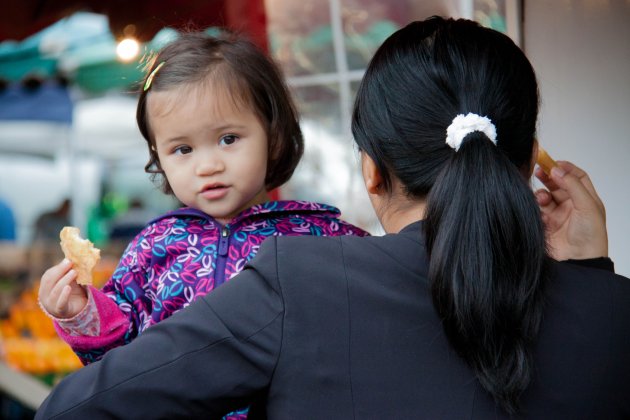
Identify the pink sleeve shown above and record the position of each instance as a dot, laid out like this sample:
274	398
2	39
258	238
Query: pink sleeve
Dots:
86	322
112	325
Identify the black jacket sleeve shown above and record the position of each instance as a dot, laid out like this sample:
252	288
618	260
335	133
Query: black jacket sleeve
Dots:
215	356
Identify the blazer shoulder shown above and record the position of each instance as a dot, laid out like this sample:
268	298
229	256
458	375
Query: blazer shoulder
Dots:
590	275
305	248
291	257
593	286
327	254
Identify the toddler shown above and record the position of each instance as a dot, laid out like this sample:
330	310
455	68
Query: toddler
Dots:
222	132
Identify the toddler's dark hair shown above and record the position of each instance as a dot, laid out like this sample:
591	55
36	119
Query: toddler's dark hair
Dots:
248	74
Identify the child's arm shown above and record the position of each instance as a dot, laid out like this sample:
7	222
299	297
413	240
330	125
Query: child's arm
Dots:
204	361
123	296
118	318
86	319
101	326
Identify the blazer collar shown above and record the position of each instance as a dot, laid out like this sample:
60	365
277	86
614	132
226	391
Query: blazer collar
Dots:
414	227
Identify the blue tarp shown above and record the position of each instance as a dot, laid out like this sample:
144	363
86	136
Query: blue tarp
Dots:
48	102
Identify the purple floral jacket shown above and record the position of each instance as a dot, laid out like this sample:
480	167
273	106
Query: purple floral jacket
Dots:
185	254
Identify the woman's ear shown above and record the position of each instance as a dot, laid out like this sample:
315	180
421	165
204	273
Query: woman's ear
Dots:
371	175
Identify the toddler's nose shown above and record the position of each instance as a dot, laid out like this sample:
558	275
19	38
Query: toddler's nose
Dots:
208	164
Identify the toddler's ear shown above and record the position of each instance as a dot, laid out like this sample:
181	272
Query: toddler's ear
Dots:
276	147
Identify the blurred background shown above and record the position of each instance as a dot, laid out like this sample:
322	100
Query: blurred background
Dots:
70	151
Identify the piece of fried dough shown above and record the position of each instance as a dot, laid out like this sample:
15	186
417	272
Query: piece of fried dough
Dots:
81	252
545	161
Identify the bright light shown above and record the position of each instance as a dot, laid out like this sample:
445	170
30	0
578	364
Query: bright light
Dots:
127	49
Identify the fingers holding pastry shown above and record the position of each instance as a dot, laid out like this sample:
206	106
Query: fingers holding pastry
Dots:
573	213
568	182
59	295
81	252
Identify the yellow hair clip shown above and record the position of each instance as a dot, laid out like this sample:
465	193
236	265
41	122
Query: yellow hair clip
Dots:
147	84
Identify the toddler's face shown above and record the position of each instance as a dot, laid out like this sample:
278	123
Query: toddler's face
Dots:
213	151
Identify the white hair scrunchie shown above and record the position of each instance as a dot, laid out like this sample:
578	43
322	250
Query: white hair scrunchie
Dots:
463	125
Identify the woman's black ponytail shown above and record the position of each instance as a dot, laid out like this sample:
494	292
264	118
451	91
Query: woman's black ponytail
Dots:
487	253
484	234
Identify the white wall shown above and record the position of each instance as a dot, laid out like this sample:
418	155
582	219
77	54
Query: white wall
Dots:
581	52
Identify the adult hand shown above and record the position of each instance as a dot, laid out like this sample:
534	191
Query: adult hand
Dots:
573	213
59	293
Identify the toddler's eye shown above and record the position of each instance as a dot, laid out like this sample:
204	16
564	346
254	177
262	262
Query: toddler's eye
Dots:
182	150
228	139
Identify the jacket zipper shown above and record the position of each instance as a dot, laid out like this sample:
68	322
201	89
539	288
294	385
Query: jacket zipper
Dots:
224	247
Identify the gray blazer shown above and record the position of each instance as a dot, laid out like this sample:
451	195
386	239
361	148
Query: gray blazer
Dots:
344	327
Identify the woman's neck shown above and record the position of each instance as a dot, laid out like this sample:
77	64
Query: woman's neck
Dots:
398	212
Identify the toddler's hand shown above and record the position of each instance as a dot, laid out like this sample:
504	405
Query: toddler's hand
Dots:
59	292
574	215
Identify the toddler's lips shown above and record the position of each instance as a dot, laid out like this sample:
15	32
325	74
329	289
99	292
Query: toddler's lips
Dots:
214	192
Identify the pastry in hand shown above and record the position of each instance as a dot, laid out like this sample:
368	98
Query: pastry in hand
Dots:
545	161
81	252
